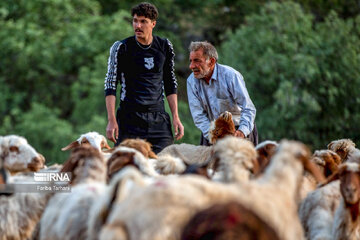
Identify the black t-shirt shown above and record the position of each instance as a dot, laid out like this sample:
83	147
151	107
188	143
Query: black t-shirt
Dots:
145	72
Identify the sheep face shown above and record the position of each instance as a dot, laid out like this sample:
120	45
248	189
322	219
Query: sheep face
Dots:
328	159
94	139
221	127
18	155
141	145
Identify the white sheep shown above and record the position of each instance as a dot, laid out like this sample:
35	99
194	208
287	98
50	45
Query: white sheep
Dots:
234	160
66	214
18	155
160	210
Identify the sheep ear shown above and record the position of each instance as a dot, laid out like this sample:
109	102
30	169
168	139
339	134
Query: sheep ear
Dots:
71	146
315	171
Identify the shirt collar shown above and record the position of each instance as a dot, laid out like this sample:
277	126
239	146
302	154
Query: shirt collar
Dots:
214	75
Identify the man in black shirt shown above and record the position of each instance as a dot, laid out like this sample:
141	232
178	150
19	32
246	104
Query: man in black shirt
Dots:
144	64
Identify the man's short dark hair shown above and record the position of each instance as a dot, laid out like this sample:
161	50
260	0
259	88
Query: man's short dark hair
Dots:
145	9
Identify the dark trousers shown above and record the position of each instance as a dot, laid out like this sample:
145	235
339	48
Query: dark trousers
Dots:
253	137
151	123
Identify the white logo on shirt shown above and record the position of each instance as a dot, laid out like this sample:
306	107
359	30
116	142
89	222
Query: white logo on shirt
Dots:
149	62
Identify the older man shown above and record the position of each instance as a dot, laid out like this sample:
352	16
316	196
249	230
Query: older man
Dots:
213	88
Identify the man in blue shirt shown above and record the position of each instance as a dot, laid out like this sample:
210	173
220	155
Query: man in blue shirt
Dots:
144	63
214	88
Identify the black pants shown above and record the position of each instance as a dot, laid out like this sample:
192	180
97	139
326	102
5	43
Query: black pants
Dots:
253	137
151	123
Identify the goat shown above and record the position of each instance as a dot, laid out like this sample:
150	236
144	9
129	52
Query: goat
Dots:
221	127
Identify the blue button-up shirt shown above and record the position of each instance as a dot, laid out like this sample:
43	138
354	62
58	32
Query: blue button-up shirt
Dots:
226	91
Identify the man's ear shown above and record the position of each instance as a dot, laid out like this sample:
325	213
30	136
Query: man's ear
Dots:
212	62
153	23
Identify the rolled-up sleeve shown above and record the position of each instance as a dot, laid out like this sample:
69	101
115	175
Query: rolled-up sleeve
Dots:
112	75
242	98
170	83
198	113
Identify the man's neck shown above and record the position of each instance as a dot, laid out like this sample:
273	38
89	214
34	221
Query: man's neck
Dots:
208	77
145	41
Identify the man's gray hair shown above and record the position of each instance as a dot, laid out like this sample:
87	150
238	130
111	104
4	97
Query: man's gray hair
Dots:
208	49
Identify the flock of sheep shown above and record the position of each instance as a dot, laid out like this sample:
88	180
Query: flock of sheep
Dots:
230	190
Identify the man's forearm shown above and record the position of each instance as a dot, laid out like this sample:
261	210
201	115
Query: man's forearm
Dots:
110	107
172	100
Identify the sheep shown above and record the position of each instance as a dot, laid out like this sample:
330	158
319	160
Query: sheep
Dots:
161	209
317	210
19	212
221	127
119	187
234	160
141	145
18	155
346	224
345	148
123	156
95	139
192	154
88	170
230	221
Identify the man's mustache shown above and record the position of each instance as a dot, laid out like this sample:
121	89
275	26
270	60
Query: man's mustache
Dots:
138	30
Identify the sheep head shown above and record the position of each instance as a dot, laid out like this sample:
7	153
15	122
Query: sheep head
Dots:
341	147
221	127
125	156
18	155
265	152
236	157
94	139
141	145
328	160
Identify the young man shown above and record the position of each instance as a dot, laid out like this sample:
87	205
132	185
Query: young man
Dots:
144	64
213	88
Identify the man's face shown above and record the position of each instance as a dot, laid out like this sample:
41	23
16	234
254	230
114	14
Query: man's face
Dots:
200	65
143	26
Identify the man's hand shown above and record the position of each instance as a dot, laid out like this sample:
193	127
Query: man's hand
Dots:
111	129
239	133
178	128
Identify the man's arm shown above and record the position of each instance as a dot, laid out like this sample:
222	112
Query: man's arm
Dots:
242	98
198	113
112	126
178	127
111	82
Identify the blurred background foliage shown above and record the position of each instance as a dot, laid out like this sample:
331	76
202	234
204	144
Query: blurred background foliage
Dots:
300	60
